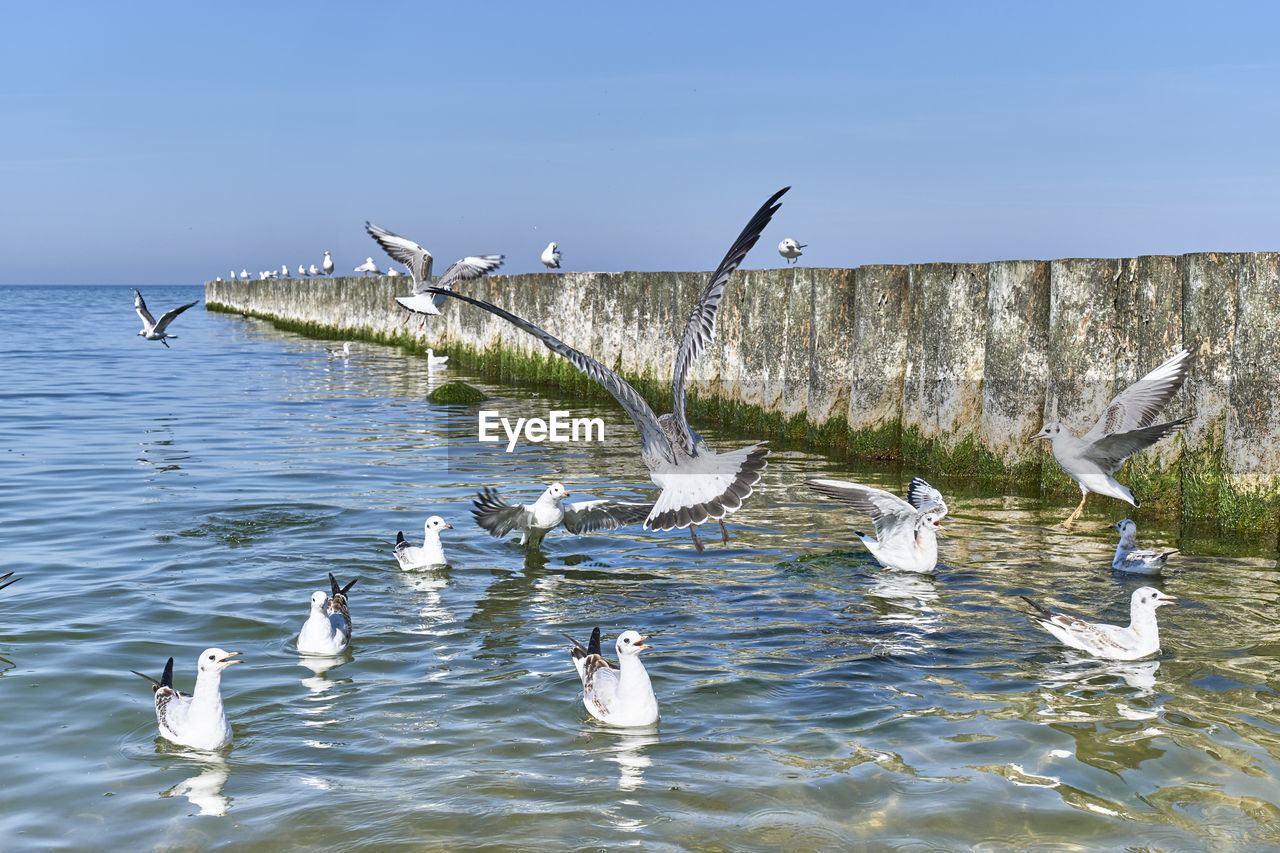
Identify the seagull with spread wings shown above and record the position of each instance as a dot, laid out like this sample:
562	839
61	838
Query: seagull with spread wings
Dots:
906	531
534	521
698	484
151	329
418	260
1124	429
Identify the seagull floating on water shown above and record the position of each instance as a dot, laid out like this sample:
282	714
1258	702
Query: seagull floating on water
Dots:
790	249
906	531
1130	558
418	261
327	630
430	553
551	256
549	511
328	263
697	484
622	697
152	330
368	267
198	720
1124	429
436	362
1140	639
343	351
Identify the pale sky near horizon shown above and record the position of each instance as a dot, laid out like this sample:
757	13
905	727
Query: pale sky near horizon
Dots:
165	143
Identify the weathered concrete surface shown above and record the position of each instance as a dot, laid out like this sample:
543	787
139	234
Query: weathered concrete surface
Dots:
950	367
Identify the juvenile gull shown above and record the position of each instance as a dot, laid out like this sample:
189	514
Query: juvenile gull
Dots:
622	697
198	720
327	630
1130	558
549	511
1140	639
906	531
152	330
328	263
697	484
418	261
551	256
790	249
1124	429
368	267
430	553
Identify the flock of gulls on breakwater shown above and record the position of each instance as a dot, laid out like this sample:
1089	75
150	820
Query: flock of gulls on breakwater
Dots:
697	485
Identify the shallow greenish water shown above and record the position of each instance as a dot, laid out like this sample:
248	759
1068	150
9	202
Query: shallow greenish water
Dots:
160	501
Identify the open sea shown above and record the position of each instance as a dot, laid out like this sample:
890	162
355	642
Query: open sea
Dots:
159	501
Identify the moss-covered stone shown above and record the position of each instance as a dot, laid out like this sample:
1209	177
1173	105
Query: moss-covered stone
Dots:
455	393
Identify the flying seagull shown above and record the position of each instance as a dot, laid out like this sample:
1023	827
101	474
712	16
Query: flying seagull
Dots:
551	256
1140	639
549	511
906	531
1130	558
430	553
1124	429
790	250
198	720
622	697
418	260
327	630
697	484
151	330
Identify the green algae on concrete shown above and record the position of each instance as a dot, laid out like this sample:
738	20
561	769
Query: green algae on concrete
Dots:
457	392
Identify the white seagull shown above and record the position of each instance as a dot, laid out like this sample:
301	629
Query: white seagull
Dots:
906	531
368	267
620	697
244	274
392	272
418	260
343	351
1124	429
328	263
198	720
302	271
436	362
327	630
1130	558
284	270
549	511
430	553
551	256
314	270
1140	639
790	249
697	484
151	329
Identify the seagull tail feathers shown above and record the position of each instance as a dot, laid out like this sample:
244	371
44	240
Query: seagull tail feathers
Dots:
709	492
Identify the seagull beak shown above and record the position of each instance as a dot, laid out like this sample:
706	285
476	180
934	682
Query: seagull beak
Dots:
1169	599
1037	436
228	659
640	644
566	494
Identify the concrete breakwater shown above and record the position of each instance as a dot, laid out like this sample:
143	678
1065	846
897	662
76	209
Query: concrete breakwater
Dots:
951	367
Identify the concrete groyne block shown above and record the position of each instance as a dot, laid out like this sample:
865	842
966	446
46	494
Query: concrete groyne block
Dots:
831	318
878	360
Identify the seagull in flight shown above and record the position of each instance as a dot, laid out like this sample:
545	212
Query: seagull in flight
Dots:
549	511
1140	639
1124	429
698	484
197	720
418	260
551	256
152	330
790	250
327	630
906	530
1130	558
621	697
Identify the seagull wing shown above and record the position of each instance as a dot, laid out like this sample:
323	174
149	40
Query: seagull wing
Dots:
924	497
1110	450
472	266
497	516
141	307
589	516
1139	404
701	327
886	510
167	317
407	252
599	684
652	438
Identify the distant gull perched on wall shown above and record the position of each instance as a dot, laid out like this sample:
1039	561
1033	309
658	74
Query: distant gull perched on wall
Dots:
622	697
906	531
244	274
327	630
198	720
697	484
314	270
790	249
551	256
302	271
1124	429
429	553
534	521
392	272
368	267
418	261
151	329
328	263
1130	558
1113	642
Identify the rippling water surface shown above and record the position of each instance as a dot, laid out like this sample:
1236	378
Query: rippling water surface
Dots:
157	502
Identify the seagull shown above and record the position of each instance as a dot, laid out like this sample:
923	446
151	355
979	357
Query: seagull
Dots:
152	330
622	697
5	580
284	271
697	484
790	249
244	274
343	351
549	511
436	362
198	720
551	256
328	263
1124	429
418	260
327	630
302	271
368	267
1140	639
906	531
314	270
430	553
1130	558
392	272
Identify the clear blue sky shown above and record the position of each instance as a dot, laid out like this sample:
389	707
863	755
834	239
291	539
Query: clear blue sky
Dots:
169	142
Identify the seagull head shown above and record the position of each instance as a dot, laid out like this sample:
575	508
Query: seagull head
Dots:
931	518
631	643
1128	530
215	660
318	598
1048	432
556	492
435	524
1150	597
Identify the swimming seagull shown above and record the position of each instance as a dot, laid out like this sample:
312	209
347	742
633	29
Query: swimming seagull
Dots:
697	484
327	630
1140	639
152	330
1124	429
368	267
549	511
6	579
343	351
1130	558
419	260
430	553
436	362
198	720
328	263
551	256
790	249
906	531
622	697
